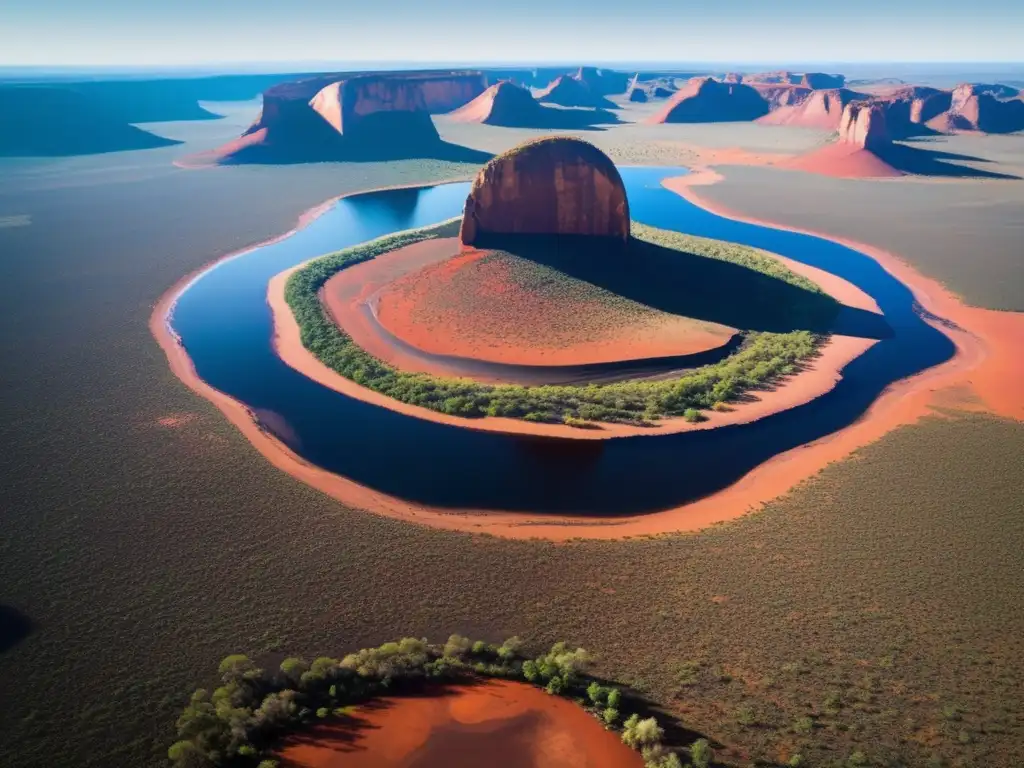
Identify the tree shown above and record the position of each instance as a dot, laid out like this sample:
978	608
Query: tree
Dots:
293	668
185	754
639	733
595	693
701	754
510	648
238	667
614	697
457	646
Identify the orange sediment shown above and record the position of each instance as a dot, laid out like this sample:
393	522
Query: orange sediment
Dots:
459	728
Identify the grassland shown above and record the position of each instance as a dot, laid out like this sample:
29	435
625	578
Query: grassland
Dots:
763	359
141	554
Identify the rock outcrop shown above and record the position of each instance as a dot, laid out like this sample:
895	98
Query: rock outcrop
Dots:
818	109
602	82
863	126
556	185
504	103
322	118
975	108
569	92
708	100
819	81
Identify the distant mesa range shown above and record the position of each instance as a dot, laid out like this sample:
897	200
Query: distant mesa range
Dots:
363	116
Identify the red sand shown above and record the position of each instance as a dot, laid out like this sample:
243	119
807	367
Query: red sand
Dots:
500	724
468	306
843	160
987	363
819	377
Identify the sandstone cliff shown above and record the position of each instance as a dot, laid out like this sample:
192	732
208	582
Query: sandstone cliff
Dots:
504	103
820	81
569	92
324	117
818	109
602	82
975	108
863	125
555	185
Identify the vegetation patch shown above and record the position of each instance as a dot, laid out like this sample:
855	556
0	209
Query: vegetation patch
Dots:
765	357
240	723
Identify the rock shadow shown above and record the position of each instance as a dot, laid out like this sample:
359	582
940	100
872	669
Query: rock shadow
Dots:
922	161
694	286
15	626
564	118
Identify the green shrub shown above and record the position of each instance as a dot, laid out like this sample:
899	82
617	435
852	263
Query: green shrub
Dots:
763	358
701	754
610	716
694	416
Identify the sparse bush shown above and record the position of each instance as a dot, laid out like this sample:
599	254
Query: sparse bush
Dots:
610	716
596	693
614	697
803	725
639	733
701	754
694	416
457	646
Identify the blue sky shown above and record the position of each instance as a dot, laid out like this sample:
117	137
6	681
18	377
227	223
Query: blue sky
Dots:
195	32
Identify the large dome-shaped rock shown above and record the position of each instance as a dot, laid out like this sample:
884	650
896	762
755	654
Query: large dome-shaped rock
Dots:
556	185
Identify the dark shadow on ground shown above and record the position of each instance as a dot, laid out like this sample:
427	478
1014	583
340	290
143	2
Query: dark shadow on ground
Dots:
45	121
690	285
562	118
338	150
933	162
15	626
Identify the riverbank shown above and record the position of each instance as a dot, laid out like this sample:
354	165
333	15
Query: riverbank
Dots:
902	403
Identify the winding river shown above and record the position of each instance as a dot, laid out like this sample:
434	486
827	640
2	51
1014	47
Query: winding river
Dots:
225	325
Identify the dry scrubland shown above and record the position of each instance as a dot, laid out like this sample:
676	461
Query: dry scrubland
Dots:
877	609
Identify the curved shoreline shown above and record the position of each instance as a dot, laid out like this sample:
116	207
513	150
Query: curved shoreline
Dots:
819	376
901	403
351	299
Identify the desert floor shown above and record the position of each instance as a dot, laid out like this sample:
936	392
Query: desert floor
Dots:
879	607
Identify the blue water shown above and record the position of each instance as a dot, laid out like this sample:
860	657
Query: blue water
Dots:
225	325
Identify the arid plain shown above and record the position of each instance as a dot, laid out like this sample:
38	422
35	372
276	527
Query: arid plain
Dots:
879	601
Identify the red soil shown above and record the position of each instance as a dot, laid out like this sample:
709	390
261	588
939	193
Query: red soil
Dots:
498	723
843	160
502	321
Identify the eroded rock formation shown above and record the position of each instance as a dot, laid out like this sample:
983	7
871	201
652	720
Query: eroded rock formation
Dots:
569	92
817	109
504	103
863	125
707	100
819	81
976	108
602	82
556	185
318	118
